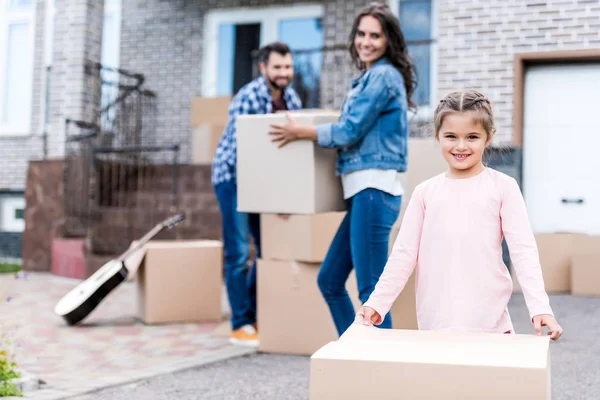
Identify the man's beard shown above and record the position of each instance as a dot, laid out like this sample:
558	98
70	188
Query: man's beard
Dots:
274	84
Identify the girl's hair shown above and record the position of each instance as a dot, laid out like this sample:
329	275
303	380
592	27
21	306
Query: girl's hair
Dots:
396	50
469	100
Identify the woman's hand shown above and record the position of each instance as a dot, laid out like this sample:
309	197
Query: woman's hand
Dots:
369	315
554	329
285	133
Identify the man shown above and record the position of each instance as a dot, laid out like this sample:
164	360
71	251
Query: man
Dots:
268	93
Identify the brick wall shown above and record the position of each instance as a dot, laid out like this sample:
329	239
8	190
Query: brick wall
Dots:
77	37
478	39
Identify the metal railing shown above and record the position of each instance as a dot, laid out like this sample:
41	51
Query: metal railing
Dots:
112	159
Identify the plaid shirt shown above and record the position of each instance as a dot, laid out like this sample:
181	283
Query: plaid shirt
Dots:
253	98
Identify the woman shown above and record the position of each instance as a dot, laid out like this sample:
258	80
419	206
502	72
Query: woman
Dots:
371	137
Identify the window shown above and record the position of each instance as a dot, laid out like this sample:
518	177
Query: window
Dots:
111	50
417	23
11	213
231	36
16	65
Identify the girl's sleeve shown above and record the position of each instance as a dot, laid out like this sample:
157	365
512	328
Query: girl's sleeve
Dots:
403	258
523	249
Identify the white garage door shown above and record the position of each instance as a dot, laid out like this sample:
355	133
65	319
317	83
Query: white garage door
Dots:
561	147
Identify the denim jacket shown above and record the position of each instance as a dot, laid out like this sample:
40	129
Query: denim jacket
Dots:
373	128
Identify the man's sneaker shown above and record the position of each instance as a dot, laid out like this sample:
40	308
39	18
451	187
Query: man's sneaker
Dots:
245	336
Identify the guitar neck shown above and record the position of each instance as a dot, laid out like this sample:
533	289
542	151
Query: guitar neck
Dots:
155	231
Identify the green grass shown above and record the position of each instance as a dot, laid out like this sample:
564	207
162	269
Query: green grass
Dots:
9	268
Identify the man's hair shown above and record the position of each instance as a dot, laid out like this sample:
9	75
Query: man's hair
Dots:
278	47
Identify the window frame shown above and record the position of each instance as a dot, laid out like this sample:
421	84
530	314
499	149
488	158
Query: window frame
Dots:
425	112
6	18
268	17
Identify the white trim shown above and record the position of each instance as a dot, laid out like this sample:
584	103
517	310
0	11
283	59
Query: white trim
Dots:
50	14
425	112
268	17
7	18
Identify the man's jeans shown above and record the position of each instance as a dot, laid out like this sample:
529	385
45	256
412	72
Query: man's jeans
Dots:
237	227
361	242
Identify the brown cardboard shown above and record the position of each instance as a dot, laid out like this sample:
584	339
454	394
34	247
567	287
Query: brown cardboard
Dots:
585	274
371	363
299	178
298	237
556	251
293	317
210	110
205	139
585	267
180	281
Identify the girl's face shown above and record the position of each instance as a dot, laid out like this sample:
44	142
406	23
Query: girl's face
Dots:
370	41
463	141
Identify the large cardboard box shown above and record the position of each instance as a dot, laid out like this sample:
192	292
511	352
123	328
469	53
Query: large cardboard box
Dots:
205	140
179	281
210	110
298	237
299	178
371	363
293	317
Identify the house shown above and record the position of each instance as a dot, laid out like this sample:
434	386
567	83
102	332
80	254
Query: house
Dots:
538	60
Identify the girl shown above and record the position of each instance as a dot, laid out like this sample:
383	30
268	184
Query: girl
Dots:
453	230
371	138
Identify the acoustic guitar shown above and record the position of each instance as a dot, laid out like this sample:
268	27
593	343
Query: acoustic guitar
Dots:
78	303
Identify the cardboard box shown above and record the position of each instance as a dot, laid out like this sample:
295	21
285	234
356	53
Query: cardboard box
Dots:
371	363
556	251
585	267
585	274
299	178
205	140
298	237
210	110
293	317
179	281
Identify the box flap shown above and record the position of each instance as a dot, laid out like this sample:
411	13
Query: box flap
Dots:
135	260
360	342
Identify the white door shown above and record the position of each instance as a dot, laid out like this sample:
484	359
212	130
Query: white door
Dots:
561	144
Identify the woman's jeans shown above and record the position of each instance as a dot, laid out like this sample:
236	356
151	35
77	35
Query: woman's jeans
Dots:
362	243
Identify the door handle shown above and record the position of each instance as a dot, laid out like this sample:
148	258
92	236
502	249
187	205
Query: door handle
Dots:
573	201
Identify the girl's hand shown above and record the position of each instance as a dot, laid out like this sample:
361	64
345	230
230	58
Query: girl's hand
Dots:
285	133
369	315
554	329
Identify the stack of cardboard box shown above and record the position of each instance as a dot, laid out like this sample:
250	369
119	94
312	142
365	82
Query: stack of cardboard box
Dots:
300	200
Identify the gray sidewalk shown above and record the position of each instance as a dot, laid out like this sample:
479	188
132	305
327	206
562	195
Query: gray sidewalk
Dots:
575	366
